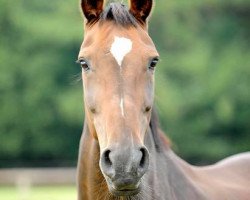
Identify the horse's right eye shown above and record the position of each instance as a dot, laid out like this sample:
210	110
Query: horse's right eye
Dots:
84	65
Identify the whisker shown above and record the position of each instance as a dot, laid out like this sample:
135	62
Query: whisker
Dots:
74	79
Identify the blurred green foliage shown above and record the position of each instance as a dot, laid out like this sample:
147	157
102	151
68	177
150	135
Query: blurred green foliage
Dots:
202	82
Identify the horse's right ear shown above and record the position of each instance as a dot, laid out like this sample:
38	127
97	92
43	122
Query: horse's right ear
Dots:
92	9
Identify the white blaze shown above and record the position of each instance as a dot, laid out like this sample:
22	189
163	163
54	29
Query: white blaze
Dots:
122	107
120	48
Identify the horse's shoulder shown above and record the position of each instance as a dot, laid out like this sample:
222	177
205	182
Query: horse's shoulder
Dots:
238	160
231	176
237	166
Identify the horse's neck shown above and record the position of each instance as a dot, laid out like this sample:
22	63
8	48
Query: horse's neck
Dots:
168	177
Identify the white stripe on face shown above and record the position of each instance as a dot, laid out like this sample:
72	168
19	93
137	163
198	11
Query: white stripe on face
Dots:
120	48
122	107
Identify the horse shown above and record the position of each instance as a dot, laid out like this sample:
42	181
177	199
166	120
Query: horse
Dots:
123	152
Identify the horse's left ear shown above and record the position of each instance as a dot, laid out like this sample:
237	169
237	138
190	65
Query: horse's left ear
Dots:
141	9
92	9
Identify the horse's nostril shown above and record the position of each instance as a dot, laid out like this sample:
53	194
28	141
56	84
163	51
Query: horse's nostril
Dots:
106	163
106	157
144	158
118	164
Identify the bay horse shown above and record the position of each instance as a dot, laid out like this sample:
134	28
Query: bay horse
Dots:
123	153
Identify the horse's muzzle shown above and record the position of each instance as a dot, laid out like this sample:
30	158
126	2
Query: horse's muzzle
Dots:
123	169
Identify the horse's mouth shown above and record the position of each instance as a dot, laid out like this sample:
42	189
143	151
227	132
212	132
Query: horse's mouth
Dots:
125	192
123	187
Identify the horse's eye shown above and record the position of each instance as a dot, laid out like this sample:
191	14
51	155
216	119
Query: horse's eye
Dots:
84	65
153	63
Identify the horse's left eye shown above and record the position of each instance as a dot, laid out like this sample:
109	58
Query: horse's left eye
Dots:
153	63
84	65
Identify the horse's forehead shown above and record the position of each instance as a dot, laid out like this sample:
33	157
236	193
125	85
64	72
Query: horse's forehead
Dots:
118	42
105	35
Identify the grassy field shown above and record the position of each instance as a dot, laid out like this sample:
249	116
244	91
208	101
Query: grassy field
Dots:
38	193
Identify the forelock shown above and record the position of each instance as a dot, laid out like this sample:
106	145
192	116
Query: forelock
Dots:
118	13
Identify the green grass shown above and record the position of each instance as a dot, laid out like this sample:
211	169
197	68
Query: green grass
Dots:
38	193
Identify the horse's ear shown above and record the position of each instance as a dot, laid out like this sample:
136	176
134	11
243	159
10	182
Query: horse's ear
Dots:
141	9
92	9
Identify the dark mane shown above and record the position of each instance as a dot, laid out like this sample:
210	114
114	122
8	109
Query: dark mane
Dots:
118	13
154	126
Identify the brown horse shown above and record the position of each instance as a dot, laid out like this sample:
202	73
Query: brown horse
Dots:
123	154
